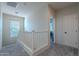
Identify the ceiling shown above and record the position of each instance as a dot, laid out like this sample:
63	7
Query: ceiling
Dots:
28	8
59	5
22	8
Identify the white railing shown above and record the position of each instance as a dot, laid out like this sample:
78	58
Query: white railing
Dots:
40	39
36	40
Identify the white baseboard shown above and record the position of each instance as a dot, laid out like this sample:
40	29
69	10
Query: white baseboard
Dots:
40	50
36	52
26	48
0	46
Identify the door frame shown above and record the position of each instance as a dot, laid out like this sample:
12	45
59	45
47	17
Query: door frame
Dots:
3	23
49	30
1	32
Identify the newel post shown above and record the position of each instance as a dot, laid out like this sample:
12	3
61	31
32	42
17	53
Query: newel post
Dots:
33	33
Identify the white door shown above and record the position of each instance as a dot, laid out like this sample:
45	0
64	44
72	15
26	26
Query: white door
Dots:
0	32
75	32
70	30
12	29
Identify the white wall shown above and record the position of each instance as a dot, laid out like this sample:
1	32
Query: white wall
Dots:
38	22
6	35
51	13
0	28
61	16
78	27
36	15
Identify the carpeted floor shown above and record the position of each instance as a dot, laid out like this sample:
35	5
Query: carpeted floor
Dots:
17	50
13	50
60	51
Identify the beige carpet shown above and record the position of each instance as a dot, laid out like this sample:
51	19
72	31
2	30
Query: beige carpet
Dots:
60	51
13	50
17	50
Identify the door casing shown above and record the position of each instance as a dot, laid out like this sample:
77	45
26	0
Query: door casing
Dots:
6	31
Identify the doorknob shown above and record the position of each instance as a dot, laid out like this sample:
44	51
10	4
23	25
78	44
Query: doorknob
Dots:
76	31
65	32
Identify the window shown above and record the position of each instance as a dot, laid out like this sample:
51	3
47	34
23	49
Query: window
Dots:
51	24
14	28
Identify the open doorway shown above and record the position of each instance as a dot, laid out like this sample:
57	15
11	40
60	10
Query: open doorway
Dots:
12	29
52	32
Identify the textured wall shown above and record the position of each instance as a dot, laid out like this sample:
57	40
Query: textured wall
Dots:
64	18
0	28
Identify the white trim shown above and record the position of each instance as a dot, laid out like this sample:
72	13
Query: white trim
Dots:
32	41
54	27
30	51
40	50
26	48
2	28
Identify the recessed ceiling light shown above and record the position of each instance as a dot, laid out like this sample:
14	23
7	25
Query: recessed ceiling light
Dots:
12	4
25	3
16	12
